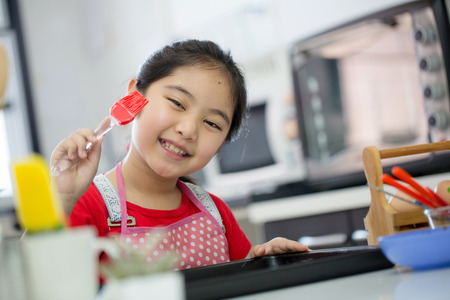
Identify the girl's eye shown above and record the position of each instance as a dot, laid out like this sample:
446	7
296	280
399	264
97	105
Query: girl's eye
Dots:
176	103
214	125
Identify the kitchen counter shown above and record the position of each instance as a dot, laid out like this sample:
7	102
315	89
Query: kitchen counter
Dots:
394	283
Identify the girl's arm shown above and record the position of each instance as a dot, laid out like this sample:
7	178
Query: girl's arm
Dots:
277	246
73	183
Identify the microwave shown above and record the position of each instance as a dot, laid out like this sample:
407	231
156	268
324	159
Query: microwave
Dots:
381	80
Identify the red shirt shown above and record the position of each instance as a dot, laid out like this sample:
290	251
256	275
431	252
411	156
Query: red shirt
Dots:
91	210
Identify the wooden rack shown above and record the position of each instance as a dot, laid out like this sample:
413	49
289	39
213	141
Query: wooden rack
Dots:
382	219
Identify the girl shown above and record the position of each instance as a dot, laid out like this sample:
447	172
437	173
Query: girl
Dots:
197	100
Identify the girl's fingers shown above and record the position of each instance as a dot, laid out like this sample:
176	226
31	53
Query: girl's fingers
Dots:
260	250
74	145
278	246
257	250
66	148
80	142
81	138
291	246
96	149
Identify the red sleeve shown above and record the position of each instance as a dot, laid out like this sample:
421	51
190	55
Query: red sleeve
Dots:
90	209
238	244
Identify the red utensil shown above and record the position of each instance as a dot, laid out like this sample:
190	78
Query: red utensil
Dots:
406	177
437	198
420	198
121	113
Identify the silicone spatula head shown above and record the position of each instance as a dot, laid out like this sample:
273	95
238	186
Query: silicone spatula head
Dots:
37	205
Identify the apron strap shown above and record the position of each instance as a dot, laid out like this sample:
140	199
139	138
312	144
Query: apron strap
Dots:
206	200
123	201
112	201
110	197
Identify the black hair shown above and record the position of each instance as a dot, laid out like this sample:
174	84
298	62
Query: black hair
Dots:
195	52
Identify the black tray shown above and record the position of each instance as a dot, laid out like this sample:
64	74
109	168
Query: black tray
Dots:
248	276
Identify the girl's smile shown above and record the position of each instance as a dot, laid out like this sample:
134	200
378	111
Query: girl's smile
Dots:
175	151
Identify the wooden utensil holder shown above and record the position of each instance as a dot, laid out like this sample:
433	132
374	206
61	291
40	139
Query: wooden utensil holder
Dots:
381	218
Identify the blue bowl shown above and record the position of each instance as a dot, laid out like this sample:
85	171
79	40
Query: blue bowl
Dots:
419	249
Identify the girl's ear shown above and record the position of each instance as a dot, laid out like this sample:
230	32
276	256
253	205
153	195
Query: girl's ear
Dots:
132	85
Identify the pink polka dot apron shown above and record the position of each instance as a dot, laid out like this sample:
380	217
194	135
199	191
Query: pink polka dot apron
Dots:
195	241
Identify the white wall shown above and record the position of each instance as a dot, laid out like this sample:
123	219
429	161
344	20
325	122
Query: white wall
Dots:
82	53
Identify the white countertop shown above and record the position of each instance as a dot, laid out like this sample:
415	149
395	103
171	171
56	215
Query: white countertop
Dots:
394	283
323	202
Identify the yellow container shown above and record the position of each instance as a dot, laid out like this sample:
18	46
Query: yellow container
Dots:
37	205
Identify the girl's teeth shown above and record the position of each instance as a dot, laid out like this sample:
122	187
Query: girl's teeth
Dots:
174	149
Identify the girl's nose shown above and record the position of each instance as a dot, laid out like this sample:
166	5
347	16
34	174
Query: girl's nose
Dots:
187	128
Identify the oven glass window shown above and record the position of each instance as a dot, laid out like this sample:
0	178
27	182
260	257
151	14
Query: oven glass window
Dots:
358	87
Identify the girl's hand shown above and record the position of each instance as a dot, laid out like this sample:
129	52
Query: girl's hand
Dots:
73	183
277	246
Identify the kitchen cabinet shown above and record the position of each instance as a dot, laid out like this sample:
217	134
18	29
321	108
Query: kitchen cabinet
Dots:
331	215
321	231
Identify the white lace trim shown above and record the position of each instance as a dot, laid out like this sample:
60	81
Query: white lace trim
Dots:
110	196
207	202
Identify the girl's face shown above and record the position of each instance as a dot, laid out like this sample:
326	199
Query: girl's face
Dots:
185	122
